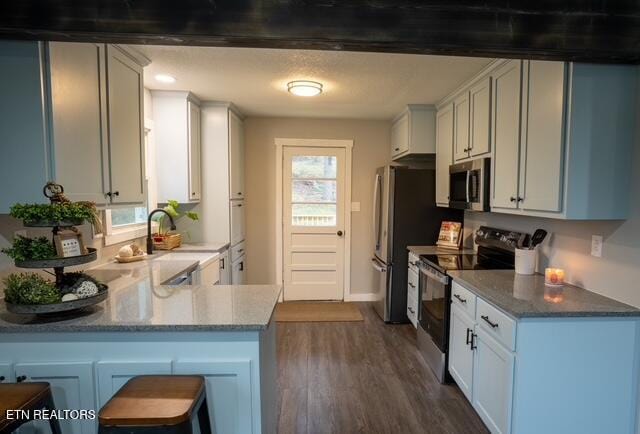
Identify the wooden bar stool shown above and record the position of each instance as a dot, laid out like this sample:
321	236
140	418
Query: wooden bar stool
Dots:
28	397
157	404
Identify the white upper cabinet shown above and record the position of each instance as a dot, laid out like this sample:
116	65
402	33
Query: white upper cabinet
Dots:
542	145
195	168
461	127
176	119
480	118
444	154
126	127
81	126
571	158
506	134
78	114
236	163
413	132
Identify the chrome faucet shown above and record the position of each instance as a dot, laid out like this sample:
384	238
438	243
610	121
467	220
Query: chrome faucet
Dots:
149	239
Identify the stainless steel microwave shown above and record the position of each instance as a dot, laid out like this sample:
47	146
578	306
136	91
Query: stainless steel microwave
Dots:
469	185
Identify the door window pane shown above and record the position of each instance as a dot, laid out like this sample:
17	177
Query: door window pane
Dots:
309	190
314	166
305	214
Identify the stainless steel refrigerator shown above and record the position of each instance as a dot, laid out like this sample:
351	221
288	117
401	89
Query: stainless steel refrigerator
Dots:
404	214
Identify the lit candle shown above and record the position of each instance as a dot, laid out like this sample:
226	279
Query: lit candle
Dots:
554	276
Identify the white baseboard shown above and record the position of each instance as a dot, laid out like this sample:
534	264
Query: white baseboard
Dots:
360	297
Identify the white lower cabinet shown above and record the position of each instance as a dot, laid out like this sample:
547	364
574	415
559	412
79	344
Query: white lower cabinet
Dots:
72	385
237	271
210	274
492	382
112	375
6	373
460	352
225	268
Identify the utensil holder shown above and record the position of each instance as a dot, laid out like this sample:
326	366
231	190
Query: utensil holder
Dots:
526	261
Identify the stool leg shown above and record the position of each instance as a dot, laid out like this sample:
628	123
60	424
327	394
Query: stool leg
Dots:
203	418
54	424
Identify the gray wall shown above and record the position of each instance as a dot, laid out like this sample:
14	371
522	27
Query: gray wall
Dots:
371	149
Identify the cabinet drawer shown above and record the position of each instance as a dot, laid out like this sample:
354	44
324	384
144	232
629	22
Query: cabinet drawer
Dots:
237	251
498	324
463	298
413	262
412	308
412	283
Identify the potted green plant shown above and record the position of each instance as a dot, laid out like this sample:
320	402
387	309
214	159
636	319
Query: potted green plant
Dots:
163	239
64	214
30	249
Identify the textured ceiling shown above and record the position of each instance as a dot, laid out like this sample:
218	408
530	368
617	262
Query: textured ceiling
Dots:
356	85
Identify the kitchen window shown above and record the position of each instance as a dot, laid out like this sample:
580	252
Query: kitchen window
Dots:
313	190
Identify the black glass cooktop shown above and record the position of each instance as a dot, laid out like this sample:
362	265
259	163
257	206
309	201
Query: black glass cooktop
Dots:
445	262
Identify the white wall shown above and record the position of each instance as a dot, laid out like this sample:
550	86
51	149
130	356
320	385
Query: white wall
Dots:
371	150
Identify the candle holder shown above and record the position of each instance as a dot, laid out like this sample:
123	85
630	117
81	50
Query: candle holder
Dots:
554	277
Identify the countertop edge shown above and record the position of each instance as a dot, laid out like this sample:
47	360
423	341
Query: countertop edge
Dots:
533	315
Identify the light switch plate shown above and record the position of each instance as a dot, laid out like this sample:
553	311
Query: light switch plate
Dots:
355	206
596	246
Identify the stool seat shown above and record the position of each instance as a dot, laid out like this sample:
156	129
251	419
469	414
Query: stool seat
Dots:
24	396
153	400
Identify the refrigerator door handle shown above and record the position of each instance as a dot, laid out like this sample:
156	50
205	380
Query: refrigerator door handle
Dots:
376	265
376	211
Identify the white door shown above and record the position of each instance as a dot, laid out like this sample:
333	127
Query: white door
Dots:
461	127
444	154
492	383
313	226
237	221
460	352
506	134
195	168
237	271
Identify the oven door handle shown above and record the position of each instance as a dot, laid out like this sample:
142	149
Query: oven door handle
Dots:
435	276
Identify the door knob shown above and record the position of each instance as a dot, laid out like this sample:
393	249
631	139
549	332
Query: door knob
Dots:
339	233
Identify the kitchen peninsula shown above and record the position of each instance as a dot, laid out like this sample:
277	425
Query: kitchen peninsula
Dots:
225	333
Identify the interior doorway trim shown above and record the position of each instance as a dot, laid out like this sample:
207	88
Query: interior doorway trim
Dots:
347	145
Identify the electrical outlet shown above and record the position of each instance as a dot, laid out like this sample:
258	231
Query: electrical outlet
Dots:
22	233
596	246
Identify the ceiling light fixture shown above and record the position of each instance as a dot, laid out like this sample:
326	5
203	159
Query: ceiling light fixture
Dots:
304	88
165	78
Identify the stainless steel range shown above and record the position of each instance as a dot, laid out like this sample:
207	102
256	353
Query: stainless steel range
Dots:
496	250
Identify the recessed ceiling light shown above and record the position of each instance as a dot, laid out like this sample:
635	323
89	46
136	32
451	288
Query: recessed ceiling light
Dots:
165	78
304	88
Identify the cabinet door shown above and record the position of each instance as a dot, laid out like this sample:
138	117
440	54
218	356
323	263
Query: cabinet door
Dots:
126	146
210	275
225	269
237	221
236	155
78	119
6	373
113	375
506	134
237	271
480	124
543	136
195	168
460	352
461	127
444	153
400	135
493	383
72	386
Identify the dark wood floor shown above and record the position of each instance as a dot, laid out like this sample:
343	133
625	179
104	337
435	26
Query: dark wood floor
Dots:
363	377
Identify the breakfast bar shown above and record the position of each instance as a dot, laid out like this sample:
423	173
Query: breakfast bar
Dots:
223	332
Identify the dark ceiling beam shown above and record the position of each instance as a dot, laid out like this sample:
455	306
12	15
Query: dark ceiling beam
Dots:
581	30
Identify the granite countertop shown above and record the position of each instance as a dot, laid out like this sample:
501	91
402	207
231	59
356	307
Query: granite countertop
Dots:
138	301
523	296
437	250
202	247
